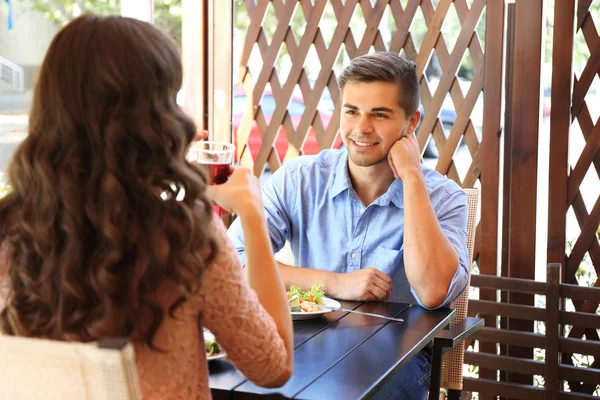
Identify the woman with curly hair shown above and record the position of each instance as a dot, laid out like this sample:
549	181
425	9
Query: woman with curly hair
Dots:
109	231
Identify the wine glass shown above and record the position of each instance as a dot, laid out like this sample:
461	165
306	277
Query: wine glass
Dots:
217	158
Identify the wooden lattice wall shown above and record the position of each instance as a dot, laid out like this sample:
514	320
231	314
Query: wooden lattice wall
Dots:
571	120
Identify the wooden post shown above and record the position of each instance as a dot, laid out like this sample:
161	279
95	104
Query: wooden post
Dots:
560	124
525	107
553	305
490	160
508	86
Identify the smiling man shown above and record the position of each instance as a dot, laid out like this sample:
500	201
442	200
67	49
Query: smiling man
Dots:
371	222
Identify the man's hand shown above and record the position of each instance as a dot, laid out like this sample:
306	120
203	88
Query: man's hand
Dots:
404	156
365	284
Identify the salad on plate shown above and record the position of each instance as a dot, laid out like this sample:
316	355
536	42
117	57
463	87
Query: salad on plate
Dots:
306	301
213	350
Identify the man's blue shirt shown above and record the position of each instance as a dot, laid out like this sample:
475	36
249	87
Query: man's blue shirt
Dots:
310	202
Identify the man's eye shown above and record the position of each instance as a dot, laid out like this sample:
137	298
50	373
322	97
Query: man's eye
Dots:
379	115
350	112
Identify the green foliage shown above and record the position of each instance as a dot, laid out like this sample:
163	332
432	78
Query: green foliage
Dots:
167	13
4	187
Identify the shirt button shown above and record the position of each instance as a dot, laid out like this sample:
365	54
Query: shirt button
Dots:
362	210
354	255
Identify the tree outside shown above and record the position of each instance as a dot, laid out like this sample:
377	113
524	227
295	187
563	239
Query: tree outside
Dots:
167	13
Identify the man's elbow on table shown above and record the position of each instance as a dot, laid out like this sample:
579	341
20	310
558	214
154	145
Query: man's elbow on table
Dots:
434	295
434	298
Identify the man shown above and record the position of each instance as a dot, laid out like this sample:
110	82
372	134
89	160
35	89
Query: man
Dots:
370	222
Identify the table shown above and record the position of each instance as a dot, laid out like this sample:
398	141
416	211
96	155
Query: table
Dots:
342	355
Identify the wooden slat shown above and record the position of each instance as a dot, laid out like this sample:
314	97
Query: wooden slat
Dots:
507	155
587	235
326	66
293	77
528	313
402	18
449	73
515	338
525	103
578	374
508	284
594	250
586	77
503	363
580	346
560	122
490	157
581	319
576	396
509	390
587	156
552	355
254	28
577	292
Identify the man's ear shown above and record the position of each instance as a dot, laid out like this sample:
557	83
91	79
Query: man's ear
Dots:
414	121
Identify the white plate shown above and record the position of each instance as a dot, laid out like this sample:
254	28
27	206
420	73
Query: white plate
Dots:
216	356
209	335
310	315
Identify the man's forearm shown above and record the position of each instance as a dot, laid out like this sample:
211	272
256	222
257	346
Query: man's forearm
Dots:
429	258
306	277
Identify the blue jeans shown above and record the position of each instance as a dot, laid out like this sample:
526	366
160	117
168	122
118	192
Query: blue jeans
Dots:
411	382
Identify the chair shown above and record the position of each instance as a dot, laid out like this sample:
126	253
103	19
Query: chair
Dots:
451	341
38	368
285	255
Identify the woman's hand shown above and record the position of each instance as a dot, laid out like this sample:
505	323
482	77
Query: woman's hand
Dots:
200	136
241	193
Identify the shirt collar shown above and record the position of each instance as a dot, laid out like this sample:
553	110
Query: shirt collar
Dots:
341	178
341	182
394	194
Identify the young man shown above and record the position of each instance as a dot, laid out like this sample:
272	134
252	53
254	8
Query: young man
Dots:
370	222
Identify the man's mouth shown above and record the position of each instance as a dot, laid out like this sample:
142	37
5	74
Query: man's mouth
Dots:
364	144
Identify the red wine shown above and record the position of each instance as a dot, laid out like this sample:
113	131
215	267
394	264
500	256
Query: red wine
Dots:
218	172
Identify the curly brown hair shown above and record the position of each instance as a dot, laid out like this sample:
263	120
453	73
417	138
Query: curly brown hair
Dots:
104	208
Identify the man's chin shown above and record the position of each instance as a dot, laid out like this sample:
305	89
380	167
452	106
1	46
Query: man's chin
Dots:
366	162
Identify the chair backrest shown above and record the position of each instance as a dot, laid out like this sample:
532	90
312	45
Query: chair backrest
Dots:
48	369
452	368
285	255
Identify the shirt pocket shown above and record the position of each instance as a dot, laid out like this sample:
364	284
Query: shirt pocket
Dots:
388	261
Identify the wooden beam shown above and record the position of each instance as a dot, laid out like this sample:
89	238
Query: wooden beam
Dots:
525	107
560	124
553	356
490	158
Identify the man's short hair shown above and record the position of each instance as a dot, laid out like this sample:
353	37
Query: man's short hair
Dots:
386	67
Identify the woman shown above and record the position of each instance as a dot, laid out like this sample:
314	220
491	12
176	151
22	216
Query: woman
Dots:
109	231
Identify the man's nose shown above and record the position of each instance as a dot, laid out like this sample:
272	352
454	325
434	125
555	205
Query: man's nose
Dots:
364	125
